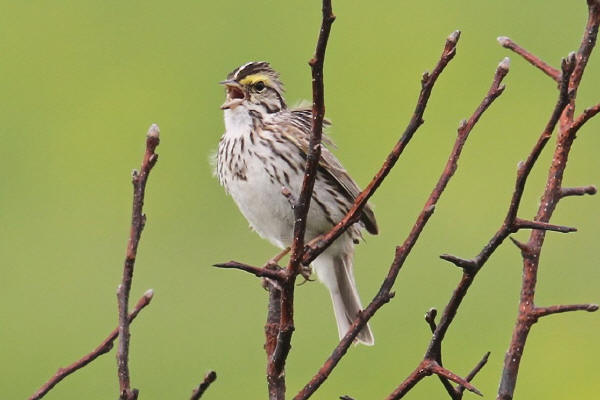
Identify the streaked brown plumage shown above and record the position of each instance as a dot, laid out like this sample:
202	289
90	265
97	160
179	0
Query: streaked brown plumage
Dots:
263	150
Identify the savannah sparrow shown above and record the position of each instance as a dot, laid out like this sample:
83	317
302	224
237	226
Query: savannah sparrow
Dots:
264	150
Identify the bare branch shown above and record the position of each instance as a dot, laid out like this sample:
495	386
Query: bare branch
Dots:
441	371
384	294
532	59
585	116
301	207
578	191
261	272
524	224
523	171
138	220
467	265
424	369
275	380
427	84
528	314
561	308
430	318
460	389
102	348
199	391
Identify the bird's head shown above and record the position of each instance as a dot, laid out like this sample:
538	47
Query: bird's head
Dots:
253	85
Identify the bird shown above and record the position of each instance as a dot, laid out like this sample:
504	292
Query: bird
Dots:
262	155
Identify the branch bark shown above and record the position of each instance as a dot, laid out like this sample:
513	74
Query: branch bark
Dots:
138	220
208	380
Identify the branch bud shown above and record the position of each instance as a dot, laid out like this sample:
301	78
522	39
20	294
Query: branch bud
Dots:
503	40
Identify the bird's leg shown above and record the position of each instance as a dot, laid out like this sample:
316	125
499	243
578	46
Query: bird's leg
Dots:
273	262
306	270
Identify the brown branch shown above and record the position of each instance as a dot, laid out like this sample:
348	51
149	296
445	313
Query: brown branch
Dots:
275	381
578	191
261	272
199	391
426	368
385	294
561	308
585	116
427	82
276	362
528	313
471	267
523	171
524	224
532	59
471	375
430	319
138	220
102	348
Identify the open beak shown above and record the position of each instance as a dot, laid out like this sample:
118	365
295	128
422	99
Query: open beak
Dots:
235	94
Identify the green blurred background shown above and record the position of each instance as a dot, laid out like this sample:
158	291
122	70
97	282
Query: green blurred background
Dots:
80	83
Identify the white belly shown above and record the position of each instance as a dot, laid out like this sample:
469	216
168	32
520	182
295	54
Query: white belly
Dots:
254	171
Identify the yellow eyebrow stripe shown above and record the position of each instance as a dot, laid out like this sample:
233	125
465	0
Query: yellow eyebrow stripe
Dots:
252	79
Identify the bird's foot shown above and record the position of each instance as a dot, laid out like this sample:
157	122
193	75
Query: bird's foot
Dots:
306	272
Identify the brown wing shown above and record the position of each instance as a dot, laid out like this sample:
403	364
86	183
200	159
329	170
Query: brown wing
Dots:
329	163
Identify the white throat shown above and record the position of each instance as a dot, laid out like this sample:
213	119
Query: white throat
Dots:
237	121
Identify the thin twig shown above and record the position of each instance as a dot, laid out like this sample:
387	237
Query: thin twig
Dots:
585	116
261	272
532	59
427	82
578	191
434	350
561	308
523	171
199	391
102	348
471	375
138	220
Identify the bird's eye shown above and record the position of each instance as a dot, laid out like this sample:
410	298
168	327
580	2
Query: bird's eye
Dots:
259	86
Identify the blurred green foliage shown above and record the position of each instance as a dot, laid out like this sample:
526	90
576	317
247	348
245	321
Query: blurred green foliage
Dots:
81	81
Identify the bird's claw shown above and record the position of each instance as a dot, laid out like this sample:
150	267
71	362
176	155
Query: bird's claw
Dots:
305	271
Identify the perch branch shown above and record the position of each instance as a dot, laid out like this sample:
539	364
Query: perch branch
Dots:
104	347
138	220
276	362
199	391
